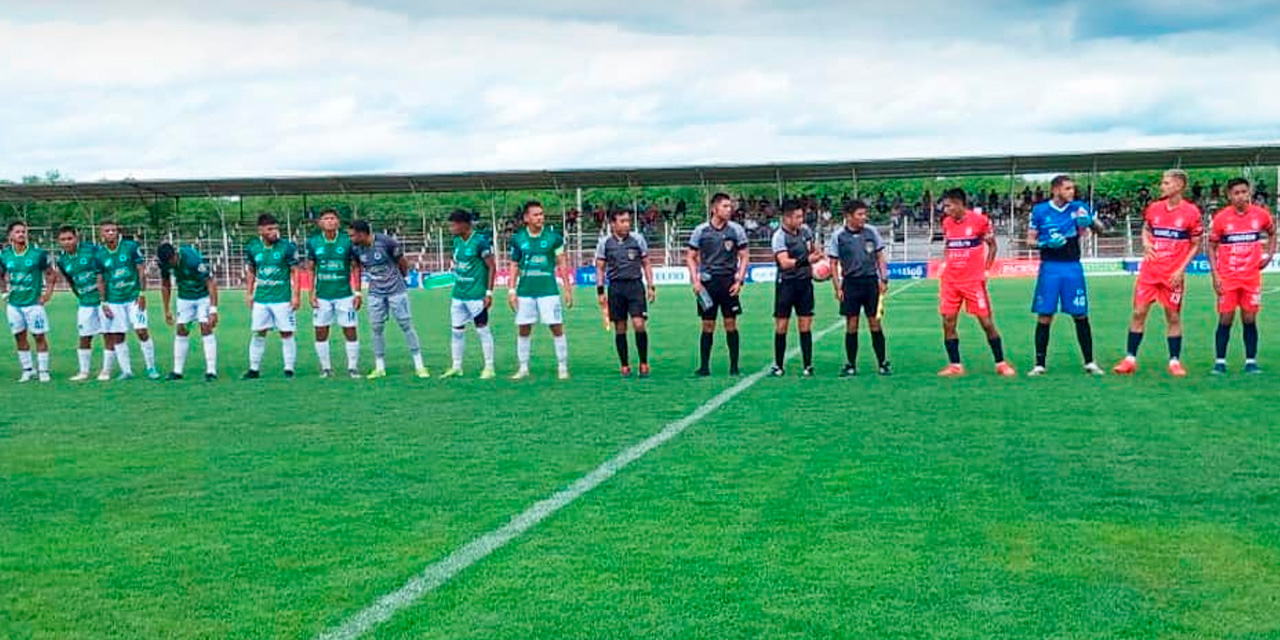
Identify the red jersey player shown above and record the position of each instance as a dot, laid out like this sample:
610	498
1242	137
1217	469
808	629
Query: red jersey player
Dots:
1237	260
970	251
1170	236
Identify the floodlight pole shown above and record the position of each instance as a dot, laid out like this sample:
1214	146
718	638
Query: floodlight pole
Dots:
777	173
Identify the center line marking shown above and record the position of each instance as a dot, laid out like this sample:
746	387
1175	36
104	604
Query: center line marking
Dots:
440	572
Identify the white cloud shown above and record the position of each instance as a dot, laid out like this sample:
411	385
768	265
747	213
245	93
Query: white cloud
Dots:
120	88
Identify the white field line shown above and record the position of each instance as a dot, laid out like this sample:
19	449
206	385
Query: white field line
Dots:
440	572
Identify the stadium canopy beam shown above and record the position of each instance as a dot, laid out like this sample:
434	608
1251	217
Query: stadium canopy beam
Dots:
1191	158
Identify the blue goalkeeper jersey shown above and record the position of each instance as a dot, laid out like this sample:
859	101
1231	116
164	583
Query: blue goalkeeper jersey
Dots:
1060	227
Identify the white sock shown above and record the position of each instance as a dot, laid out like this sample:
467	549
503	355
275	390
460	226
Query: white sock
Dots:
42	361
417	361
257	349
380	364
122	358
108	360
353	355
486	345
181	344
85	356
290	348
24	358
524	345
149	353
1223	361
322	352
458	346
562	350
1251	361
210	353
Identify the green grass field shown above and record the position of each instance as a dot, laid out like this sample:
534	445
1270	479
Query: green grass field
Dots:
1062	507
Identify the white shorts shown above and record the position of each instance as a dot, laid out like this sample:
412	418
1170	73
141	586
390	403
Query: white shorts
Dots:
32	319
274	315
463	311
341	311
193	311
546	309
89	321
125	316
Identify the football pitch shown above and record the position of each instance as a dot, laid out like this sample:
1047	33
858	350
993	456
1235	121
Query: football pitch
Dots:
902	507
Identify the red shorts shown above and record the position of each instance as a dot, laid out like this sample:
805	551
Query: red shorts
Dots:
1246	297
971	295
1169	297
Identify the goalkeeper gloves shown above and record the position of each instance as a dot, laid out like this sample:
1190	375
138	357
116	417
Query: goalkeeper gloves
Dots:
1055	241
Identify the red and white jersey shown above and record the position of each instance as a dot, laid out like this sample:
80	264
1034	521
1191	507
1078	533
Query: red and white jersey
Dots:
966	247
1175	232
1239	236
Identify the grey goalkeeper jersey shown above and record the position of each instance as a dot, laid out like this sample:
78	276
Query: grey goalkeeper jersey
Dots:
380	262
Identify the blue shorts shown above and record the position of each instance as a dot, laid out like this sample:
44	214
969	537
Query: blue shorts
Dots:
1061	285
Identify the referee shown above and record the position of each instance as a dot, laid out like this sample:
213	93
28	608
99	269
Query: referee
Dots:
794	251
717	262
623	256
860	276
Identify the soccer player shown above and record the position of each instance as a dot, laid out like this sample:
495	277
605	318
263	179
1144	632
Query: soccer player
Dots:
1170	237
1056	228
537	254
623	258
271	270
717	262
1237	259
794	251
27	277
126	302
78	264
382	259
474	272
197	302
335	295
860	275
970	252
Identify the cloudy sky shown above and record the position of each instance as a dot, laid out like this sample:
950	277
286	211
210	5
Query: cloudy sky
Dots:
149	89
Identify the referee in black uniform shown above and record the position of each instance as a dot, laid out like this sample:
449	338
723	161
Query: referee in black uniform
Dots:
861	276
717	261
794	251
623	256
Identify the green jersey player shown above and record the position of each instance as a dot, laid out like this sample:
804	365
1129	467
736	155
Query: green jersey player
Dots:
334	299
26	280
197	302
125	306
271	268
78	264
537	255
474	271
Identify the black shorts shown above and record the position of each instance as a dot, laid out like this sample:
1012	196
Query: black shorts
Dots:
627	300
861	295
722	302
793	295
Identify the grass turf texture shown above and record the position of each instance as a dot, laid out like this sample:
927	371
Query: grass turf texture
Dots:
900	507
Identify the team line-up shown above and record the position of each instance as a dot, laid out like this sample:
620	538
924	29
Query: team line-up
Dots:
107	283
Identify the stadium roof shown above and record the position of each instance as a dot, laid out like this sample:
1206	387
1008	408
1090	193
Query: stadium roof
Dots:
1190	158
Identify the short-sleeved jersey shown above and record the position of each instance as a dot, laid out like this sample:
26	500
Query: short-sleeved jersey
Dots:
718	248
1047	220
795	245
1174	232
470	269
120	270
25	272
858	251
623	257
380	262
82	270
273	268
192	274
332	261
966	247
536	256
1239	237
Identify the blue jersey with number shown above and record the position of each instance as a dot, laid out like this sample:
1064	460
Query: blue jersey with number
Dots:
1059	229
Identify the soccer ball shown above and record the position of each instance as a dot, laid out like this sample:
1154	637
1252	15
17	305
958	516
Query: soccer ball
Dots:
822	270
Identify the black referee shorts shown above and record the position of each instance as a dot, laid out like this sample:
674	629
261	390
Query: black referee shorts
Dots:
793	295
860	295
627	300
722	302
